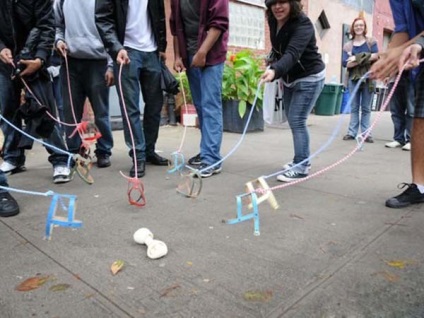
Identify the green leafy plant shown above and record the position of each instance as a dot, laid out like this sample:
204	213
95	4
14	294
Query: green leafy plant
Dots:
242	72
184	87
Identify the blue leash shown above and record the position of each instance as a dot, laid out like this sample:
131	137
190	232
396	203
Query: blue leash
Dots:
70	155
332	136
232	151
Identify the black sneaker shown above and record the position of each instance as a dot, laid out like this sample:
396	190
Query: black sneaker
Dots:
206	172
195	161
290	176
141	166
348	137
410	196
157	160
8	205
369	139
103	161
289	165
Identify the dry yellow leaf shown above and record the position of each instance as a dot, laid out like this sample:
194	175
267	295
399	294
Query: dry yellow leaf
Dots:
59	287
117	266
259	296
401	264
397	264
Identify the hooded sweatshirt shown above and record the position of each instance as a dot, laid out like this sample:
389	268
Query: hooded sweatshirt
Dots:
75	25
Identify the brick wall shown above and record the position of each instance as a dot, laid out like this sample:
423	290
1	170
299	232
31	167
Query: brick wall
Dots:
382	20
170	46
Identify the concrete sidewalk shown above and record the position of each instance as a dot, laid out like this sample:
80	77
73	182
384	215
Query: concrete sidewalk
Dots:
332	249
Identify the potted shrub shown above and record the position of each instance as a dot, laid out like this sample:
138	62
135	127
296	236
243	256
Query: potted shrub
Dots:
241	77
179	100
188	117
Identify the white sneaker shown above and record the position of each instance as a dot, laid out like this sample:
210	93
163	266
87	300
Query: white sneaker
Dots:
407	147
393	144
61	174
9	168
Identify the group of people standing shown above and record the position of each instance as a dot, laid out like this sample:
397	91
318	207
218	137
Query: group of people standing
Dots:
360	55
101	41
298	64
105	40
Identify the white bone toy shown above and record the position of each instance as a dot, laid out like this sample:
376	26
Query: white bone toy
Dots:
155	249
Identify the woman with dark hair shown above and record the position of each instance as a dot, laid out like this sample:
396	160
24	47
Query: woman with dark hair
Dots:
296	61
358	54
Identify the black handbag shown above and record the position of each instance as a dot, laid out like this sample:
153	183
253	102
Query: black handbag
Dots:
169	83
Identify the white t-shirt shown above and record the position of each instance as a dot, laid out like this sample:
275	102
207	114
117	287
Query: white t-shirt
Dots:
138	31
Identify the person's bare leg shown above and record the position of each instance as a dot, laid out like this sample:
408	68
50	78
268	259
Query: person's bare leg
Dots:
413	193
417	151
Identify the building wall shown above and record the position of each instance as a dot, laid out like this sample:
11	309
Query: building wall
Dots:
383	22
331	42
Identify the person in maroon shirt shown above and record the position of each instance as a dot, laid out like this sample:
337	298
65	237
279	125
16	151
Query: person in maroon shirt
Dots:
200	30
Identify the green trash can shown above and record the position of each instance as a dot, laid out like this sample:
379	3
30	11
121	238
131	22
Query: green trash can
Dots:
339	100
327	100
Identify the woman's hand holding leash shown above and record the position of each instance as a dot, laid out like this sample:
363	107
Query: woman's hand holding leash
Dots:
268	75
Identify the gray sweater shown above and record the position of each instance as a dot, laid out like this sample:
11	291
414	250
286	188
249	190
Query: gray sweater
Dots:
75	25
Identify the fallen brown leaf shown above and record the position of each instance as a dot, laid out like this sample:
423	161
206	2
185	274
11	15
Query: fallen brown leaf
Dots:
389	223
296	216
393	278
167	291
32	283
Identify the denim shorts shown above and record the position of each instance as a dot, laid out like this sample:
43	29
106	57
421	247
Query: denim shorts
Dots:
419	99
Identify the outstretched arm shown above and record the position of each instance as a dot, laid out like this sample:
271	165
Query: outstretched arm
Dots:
390	62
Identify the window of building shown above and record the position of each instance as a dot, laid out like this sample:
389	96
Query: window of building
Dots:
322	24
366	5
387	35
247	25
255	2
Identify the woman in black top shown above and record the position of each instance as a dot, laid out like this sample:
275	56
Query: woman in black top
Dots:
296	61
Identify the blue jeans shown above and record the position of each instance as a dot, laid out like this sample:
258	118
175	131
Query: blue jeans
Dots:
206	88
57	92
3	181
361	103
9	104
402	109
298	103
144	71
87	79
